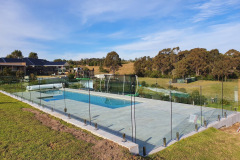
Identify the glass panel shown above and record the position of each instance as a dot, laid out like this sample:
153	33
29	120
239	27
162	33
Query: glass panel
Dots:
111	107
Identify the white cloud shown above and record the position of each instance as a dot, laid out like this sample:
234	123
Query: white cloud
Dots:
19	29
222	37
213	8
80	55
17	22
108	10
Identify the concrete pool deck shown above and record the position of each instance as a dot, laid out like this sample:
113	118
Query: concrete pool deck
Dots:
152	118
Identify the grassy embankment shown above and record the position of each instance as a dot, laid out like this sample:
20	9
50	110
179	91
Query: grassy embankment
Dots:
210	144
22	136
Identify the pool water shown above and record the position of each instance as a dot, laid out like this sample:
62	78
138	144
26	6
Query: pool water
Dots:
97	100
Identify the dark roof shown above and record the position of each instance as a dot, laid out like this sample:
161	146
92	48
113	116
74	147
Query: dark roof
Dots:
34	62
54	63
2	60
10	60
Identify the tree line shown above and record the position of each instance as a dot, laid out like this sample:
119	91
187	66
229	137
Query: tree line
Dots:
169	62
18	54
199	62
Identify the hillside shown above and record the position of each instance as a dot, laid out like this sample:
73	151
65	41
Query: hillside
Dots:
125	69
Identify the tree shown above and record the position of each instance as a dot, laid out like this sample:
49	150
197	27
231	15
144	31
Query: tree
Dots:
9	56
162	61
222	67
198	60
183	54
57	60
15	54
113	61
7	72
19	74
181	69
234	55
140	66
33	55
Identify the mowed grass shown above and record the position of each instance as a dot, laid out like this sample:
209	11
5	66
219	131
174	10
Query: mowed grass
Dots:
210	89
210	144
24	137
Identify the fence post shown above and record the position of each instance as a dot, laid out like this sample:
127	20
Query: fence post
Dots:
171	105
29	90
135	112
40	94
89	103
201	102
222	96
177	135
22	88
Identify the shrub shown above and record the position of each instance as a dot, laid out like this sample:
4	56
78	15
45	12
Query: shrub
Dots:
75	86
144	84
32	76
182	90
19	74
70	76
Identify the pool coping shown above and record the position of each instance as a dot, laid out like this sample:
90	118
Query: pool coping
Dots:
105	94
131	146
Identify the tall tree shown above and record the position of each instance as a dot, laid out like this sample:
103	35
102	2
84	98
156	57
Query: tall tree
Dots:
59	60
197	58
164	60
15	54
222	67
112	61
234	55
182	54
181	69
33	55
141	65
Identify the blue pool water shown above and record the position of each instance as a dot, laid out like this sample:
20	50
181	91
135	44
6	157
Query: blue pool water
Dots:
97	100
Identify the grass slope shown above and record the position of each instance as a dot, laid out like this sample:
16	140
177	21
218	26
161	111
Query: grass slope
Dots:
124	69
24	137
209	144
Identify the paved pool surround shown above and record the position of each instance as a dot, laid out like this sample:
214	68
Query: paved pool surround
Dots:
152	119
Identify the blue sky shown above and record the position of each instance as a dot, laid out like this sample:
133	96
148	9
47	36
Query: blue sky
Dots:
78	29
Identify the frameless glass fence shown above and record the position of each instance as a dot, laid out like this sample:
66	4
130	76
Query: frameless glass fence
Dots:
148	111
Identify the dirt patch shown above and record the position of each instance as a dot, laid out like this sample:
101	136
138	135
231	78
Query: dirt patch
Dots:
102	149
231	130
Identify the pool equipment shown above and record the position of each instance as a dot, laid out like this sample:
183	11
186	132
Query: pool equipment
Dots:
44	86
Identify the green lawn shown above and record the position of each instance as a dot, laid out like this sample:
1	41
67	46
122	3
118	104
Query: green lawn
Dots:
210	144
24	137
210	89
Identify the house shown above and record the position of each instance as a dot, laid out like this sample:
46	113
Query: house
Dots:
13	63
56	67
35	66
81	73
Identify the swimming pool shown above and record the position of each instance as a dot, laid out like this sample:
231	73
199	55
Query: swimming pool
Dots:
111	103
